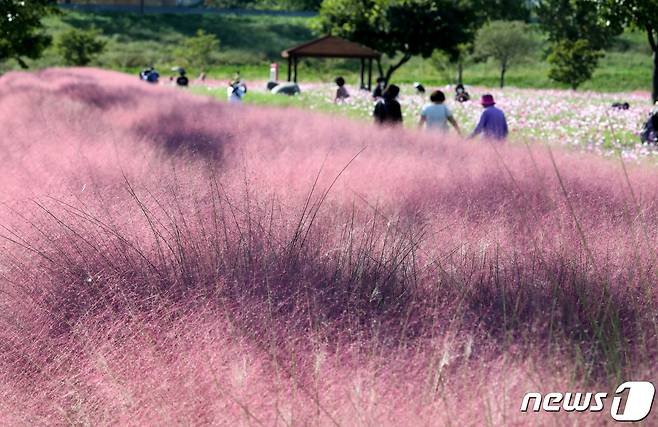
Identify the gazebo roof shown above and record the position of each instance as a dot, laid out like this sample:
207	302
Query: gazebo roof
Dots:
331	47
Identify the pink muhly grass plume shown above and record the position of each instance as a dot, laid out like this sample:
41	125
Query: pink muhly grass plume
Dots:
168	259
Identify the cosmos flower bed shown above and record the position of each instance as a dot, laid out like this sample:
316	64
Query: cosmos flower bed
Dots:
580	120
172	260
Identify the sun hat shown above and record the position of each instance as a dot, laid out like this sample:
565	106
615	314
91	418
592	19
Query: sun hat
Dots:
487	100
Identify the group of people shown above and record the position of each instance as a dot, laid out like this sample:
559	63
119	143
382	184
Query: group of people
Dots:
237	88
150	75
436	115
433	116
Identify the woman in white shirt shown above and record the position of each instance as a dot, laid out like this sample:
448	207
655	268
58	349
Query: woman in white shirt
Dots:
435	115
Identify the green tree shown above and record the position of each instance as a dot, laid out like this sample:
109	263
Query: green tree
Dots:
79	47
21	33
302	4
198	51
640	14
267	4
447	65
576	20
442	63
573	62
576	29
504	10
401	29
507	42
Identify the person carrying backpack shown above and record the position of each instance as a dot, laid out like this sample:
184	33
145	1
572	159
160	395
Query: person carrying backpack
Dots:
387	110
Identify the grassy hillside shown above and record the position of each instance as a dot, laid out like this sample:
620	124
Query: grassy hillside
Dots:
251	42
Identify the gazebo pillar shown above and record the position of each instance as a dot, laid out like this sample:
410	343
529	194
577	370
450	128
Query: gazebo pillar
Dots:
295	62
363	66
289	67
370	74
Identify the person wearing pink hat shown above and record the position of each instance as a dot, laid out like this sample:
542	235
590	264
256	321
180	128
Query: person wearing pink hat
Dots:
492	124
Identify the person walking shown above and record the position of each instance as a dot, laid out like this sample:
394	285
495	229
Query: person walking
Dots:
492	124
436	115
387	109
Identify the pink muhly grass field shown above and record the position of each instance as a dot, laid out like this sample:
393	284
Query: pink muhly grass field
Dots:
171	260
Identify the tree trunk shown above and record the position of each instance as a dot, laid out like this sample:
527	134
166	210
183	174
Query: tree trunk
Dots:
502	76
654	91
379	68
460	72
392	68
654	48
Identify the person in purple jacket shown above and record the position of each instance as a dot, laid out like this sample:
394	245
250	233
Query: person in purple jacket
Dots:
492	124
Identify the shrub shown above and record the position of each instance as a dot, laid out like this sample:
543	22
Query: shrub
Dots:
79	47
198	51
573	63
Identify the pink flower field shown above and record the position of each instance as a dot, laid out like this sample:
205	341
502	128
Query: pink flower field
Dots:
583	121
172	260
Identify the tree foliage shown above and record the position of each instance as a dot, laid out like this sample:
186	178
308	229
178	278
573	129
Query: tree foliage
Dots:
639	14
507	42
79	47
503	10
578	31
198	51
267	4
20	29
573	63
574	20
401	29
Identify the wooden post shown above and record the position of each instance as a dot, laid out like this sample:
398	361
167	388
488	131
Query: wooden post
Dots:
295	69
363	67
370	74
289	67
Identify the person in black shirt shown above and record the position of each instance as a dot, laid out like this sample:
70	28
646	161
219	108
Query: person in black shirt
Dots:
460	94
182	79
649	133
387	109
379	89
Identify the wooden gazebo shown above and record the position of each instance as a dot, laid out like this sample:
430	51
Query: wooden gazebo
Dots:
331	47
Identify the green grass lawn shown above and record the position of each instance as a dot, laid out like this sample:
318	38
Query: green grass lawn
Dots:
250	43
307	100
